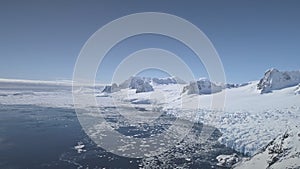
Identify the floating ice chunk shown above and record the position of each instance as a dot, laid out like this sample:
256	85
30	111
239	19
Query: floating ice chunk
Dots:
80	147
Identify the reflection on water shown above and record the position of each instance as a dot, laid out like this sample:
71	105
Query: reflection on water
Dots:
41	137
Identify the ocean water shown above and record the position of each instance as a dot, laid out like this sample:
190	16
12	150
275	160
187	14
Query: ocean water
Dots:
44	137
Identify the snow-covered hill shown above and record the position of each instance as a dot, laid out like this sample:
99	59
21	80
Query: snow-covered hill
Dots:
275	79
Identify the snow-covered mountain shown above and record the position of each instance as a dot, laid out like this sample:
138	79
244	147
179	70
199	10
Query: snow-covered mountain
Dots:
167	80
111	88
145	84
153	81
231	85
275	79
205	86
141	84
202	86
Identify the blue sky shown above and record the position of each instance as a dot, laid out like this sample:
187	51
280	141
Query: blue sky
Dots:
42	39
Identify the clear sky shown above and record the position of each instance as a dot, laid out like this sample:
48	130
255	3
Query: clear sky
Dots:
41	39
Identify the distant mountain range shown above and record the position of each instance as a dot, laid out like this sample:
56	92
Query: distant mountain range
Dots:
273	79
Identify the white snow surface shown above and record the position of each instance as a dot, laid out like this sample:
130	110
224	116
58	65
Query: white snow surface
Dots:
248	122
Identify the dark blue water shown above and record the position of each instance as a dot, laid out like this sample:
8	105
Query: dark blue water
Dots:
42	137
